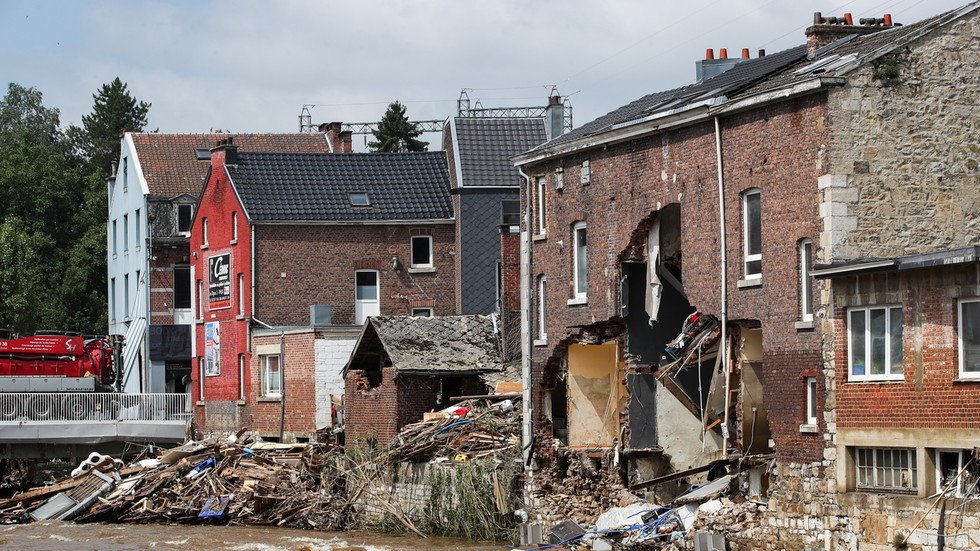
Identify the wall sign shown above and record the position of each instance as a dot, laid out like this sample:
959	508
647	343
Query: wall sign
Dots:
212	349
219	281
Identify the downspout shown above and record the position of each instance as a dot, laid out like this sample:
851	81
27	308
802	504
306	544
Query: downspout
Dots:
723	254
282	391
527	425
251	285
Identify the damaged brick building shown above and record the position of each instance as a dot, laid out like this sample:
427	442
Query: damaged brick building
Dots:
674	317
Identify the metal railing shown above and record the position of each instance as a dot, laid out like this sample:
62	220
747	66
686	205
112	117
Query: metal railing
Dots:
93	406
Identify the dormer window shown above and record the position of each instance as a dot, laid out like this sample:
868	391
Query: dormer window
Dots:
184	215
359	199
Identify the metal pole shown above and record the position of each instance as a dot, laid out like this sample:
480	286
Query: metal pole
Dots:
723	251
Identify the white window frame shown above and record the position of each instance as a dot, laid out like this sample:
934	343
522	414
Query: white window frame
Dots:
234	227
889	375
112	305
126	297
125	163
580	295
877	470
425	311
115	240
377	284
241	294
961	351
585	177
200	299
264	364
200	375
963	457
811	401
125	233
190	218
138	227
805	254
204	231
541	212
542	288
411	252
241	377
746	257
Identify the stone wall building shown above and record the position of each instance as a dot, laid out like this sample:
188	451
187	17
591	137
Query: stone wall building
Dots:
860	144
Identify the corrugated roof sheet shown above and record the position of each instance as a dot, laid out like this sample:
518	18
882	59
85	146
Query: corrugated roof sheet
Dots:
485	147
170	164
295	187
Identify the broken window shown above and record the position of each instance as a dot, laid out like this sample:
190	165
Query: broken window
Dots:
875	343
271	375
580	266
955	469
806	281
185	215
422	251
540	211
969	338
889	469
752	233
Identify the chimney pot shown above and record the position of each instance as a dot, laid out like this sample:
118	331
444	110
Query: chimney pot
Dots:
762	52
745	53
709	53
848	19
554	100
723	53
817	18
888	19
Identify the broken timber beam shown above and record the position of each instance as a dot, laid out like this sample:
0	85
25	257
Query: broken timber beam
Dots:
668	477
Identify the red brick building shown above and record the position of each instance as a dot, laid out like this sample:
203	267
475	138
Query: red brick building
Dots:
308	246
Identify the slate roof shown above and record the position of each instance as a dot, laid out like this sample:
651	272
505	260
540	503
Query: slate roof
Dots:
434	345
277	187
170	164
485	147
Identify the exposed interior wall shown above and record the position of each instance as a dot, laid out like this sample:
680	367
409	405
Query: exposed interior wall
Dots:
595	395
755	433
330	356
679	434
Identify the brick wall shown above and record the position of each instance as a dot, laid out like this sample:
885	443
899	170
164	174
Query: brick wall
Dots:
162	261
370	413
319	264
299	368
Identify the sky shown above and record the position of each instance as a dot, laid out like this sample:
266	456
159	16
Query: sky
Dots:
250	65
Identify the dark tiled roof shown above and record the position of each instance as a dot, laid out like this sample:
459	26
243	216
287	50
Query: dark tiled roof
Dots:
487	145
444	344
739	76
170	164
295	187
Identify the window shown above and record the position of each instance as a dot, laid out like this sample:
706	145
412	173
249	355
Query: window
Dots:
875	343
510	213
422	312
241	376
114	235
806	280
182	287
200	375
969	338
112	299
359	199
586	177
125	174
811	400
185	214
126	297
366	295
542	308
139	230
949	464
234	227
200	299
580	273
125	233
891	469
540	212
204	231
241	294
271	375
422	251
752	233
559	178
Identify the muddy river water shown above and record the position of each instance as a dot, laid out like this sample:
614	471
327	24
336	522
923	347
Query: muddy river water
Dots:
49	536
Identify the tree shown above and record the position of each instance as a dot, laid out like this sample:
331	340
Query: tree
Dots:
114	112
396	133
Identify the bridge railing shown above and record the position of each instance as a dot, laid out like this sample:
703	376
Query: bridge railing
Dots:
93	406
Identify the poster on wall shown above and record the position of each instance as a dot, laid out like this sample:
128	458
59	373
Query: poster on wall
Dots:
212	349
219	281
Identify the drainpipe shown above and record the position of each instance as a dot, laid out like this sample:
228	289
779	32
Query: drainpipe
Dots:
282	391
527	425
723	253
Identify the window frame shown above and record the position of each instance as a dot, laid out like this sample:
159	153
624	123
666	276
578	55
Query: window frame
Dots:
112	305
504	213
125	167
200	299
264	368
138	230
962	458
576	284
190	293
746	257
190	218
812	408
411	252
416	311
115	237
912	470
125	233
585	176
542	308
541	212
234	227
805	255
961	372
241	294
377	300
889	374
204	231
358	194
126	297
241	377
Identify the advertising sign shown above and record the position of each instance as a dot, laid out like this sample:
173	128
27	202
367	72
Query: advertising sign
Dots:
219	281
212	349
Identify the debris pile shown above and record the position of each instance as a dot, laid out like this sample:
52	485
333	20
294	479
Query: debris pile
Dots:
262	483
469	430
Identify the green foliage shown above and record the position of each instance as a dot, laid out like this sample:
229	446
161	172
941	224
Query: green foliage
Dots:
114	112
396	133
24	300
887	69
462	500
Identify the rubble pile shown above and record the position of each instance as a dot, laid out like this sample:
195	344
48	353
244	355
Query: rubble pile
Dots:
469	430
262	483
576	485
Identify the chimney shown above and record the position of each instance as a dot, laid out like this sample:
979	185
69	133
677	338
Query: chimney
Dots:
829	29
224	153
554	116
339	140
711	67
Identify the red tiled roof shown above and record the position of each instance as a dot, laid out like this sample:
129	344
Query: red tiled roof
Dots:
170	165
